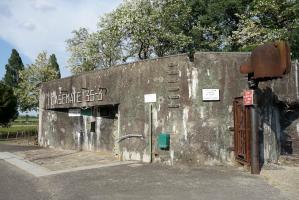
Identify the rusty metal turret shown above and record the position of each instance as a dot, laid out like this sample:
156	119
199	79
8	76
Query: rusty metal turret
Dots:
268	61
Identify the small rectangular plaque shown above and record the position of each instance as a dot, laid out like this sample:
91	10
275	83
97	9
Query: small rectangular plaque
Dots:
210	95
150	98
248	97
74	112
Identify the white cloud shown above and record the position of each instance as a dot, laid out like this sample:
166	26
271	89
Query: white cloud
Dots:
28	25
36	25
43	5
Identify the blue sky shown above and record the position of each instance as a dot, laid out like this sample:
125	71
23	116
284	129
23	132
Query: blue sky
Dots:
33	26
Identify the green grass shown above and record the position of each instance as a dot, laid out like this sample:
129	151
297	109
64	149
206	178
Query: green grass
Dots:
24	123
22	120
14	131
18	129
22	126
23	117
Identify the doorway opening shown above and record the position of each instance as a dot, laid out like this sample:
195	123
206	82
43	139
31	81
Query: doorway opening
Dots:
106	127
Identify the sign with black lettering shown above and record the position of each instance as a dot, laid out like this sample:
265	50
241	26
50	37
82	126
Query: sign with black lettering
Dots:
61	97
210	95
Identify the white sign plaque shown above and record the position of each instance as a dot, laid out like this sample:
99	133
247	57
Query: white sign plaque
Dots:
210	95
74	112
150	98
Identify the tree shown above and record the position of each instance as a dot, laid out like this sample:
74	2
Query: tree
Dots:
13	68
84	51
294	42
91	51
266	20
8	105
30	80
224	17
136	22
130	32
142	29
54	65
113	49
149	28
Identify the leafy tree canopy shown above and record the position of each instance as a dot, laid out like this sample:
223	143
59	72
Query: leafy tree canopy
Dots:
268	20
14	66
141	29
8	105
30	80
54	65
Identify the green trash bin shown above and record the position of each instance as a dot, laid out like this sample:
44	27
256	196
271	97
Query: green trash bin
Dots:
164	141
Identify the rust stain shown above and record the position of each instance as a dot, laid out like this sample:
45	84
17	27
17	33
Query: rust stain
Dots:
268	61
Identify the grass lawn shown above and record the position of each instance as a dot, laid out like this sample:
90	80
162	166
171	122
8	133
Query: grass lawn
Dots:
22	120
18	131
21	126
27	128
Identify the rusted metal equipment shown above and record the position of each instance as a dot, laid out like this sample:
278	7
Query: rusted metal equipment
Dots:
268	61
242	132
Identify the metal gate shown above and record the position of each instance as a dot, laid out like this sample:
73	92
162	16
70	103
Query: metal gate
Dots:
242	131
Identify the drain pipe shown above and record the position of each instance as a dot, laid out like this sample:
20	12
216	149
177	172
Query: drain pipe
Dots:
128	136
81	140
254	140
296	79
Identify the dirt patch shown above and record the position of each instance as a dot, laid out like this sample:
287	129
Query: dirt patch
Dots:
283	177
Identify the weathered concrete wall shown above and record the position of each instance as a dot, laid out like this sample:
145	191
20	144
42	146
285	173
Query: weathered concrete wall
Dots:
278	110
204	137
199	130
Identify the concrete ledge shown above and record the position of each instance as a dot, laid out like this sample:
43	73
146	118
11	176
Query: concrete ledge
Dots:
25	165
39	171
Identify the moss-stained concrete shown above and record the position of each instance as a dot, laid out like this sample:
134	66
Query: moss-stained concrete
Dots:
199	131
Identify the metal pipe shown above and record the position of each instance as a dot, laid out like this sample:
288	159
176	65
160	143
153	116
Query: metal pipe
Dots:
296	79
254	145
150	133
128	136
117	146
81	140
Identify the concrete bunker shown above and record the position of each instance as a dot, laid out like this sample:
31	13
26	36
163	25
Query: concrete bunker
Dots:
98	127
193	103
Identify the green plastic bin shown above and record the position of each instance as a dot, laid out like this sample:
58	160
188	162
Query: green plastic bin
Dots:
164	141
